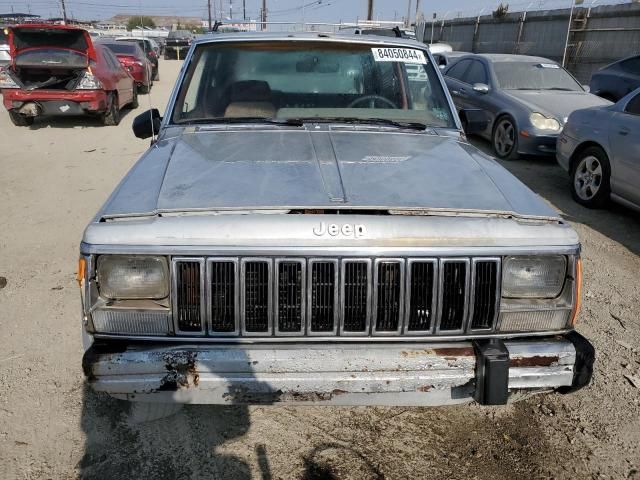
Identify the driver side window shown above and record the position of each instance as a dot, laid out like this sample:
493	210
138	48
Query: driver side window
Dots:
633	107
458	70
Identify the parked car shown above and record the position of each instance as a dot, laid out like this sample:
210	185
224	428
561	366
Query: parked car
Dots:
616	80
57	70
134	60
178	44
600	148
305	230
150	49
446	58
528	99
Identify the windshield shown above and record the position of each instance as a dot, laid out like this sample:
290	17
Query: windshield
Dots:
123	48
311	80
534	76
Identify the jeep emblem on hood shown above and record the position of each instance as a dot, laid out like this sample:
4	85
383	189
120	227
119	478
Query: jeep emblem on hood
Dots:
347	230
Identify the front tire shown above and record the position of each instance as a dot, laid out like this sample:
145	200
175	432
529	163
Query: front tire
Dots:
112	116
590	178
505	138
20	120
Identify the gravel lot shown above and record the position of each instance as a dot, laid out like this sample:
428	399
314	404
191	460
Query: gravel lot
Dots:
53	178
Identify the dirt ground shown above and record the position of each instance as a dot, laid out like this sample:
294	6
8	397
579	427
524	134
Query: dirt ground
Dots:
53	178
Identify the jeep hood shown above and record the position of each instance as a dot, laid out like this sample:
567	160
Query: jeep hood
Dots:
233	169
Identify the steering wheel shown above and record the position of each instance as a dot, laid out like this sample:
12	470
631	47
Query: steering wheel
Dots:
374	98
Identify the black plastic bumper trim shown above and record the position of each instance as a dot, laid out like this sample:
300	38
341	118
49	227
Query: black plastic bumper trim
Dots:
492	372
583	368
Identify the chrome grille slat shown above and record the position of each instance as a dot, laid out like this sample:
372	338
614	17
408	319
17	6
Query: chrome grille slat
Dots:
290	307
356	296
256	301
188	296
351	297
322	297
222	281
485	293
421	296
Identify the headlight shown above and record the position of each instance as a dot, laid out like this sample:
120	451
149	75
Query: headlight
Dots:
124	277
541	122
534	277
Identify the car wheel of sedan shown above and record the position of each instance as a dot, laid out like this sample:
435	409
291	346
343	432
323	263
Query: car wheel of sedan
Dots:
590	176
112	117
505	139
20	120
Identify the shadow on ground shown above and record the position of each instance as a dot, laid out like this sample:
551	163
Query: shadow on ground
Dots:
74	121
545	177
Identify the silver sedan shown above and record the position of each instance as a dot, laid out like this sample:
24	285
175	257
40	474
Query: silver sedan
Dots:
526	98
600	148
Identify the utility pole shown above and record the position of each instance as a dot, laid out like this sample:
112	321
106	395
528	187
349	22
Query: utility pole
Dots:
64	12
417	9
244	10
264	14
230	8
370	10
209	10
408	22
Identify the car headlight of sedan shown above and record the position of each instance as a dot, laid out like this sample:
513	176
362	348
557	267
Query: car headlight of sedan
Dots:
542	122
540	293
124	277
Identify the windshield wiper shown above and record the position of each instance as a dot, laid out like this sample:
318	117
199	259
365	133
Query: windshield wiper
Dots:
363	121
562	89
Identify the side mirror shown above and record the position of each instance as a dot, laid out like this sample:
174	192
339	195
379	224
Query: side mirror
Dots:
147	124
474	121
481	88
587	88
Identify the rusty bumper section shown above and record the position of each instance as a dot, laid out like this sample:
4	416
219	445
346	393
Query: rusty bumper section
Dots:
339	374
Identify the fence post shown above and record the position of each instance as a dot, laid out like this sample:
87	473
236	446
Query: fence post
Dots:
523	18
475	35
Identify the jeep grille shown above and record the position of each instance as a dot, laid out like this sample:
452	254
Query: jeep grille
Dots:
341	297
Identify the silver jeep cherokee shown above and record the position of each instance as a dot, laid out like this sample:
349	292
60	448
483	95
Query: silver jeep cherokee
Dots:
310	225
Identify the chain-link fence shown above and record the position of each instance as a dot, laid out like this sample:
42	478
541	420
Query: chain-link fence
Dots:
586	37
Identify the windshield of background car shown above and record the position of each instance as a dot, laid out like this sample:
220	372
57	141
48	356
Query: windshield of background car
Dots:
534	76
123	48
319	80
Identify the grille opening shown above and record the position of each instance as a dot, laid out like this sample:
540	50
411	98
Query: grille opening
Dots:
188	296
356	282
388	284
223	294
256	297
421	296
453	295
485	295
290	297
323	282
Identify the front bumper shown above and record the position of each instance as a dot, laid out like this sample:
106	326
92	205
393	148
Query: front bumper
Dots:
55	102
566	146
340	374
537	144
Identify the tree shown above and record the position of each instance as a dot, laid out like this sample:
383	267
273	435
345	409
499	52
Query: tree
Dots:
501	11
140	21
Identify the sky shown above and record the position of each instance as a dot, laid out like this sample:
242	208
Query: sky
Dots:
279	10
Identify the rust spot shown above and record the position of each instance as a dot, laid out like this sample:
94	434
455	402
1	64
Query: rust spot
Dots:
425	388
337	391
455	351
536	361
181	371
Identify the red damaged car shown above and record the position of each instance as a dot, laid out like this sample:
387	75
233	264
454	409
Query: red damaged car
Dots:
134	60
57	70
